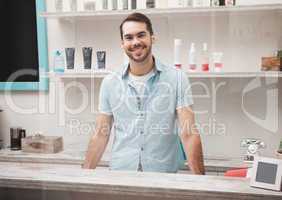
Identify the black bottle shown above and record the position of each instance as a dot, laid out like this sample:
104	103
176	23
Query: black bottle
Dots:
222	2
133	4
15	138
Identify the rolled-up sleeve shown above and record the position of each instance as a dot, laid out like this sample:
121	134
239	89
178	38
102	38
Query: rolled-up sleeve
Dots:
104	98
184	91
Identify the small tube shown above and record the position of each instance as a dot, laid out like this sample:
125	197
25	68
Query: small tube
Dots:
87	57
217	58
101	59
177	52
70	57
133	4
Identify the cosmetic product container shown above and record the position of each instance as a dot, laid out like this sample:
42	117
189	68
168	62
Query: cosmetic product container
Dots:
58	62
217	61
101	59
87	57
99	5
205	58
161	3
177	52
133	4
70	53
229	2
222	2
141	4
15	138
150	4
192	58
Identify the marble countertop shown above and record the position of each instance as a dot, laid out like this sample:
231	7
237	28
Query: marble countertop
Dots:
212	163
175	186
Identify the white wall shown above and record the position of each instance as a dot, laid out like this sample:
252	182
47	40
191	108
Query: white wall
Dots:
244	39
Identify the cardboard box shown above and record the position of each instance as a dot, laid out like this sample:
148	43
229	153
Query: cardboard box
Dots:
271	64
42	144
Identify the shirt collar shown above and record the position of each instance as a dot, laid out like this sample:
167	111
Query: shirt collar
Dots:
158	67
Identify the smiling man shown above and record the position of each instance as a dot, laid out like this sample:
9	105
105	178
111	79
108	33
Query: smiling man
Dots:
144	102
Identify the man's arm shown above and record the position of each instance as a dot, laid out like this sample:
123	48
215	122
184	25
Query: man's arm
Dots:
191	140
98	142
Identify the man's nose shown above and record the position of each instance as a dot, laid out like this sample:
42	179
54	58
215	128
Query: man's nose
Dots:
136	41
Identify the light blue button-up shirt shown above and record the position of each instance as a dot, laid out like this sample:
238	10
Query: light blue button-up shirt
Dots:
145	126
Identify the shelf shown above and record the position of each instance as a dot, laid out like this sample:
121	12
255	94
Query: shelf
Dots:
233	74
165	12
103	73
80	74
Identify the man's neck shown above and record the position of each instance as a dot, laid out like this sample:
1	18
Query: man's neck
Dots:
139	69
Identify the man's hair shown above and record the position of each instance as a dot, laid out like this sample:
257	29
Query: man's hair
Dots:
137	17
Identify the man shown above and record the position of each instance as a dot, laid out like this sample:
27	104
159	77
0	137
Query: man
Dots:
144	101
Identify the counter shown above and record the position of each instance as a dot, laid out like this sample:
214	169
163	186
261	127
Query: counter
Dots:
72	182
72	157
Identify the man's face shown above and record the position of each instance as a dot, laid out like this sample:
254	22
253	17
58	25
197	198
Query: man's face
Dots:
137	41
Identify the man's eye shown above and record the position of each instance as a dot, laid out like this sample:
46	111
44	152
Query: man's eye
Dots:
128	38
141	35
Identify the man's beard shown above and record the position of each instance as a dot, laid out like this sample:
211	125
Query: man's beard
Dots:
143	58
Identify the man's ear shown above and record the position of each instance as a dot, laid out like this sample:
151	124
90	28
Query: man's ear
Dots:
153	38
122	44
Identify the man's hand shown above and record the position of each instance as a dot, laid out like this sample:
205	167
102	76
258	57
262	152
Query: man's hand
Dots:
98	142
191	140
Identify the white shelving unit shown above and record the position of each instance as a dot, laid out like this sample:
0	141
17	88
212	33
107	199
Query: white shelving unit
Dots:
80	74
166	12
100	74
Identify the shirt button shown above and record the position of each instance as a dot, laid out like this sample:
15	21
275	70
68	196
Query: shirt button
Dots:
141	132
142	149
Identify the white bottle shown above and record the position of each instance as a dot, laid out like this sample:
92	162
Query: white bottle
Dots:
229	2
205	58
217	61
192	58
161	3
99	5
141	4
58	62
177	52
